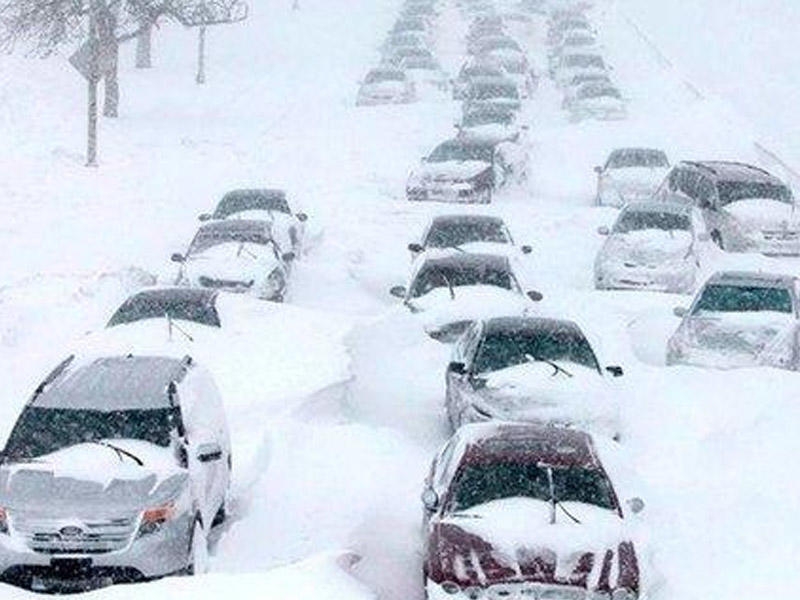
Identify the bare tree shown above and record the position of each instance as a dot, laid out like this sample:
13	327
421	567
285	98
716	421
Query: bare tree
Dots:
207	13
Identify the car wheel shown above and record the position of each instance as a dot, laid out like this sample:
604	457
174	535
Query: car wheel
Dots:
199	549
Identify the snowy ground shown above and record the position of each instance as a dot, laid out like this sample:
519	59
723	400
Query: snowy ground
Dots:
333	442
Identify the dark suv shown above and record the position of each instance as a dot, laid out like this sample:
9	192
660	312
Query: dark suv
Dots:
745	208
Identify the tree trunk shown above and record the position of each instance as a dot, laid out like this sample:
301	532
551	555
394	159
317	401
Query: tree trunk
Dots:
111	78
144	47
201	57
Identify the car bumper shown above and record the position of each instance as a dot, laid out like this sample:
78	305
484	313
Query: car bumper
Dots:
678	281
510	591
378	101
443	194
150	556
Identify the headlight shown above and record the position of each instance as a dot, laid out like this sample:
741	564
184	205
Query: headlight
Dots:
450	588
154	518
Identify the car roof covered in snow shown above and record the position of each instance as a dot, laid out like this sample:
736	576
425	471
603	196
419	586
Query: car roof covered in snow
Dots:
734	171
109	384
527	442
752	278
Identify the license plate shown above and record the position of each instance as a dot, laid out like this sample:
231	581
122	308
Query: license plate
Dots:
70	568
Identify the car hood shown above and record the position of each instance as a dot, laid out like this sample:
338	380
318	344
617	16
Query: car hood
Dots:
93	480
764	214
494	132
231	261
471	303
452	170
648	247
737	339
513	539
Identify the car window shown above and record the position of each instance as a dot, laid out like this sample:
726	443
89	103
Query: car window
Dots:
455	233
688	182
207	238
733	191
705	192
638	220
738	298
431	277
153	306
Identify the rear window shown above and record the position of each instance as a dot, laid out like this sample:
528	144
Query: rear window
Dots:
736	298
733	191
242	201
635	220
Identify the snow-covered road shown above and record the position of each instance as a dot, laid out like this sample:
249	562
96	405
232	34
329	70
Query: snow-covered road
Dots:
332	444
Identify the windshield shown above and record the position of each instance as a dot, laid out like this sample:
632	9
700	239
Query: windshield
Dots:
503	349
732	191
438	276
40	431
481	483
736	298
452	234
381	76
621	159
207	238
236	203
460	151
488	91
583	61
473	119
144	307
638	220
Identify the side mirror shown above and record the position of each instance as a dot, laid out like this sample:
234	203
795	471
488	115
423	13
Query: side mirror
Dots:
603	230
415	248
288	257
615	370
535	296
204	217
636	505
598	170
680	311
207	453
398	291
302	217
459	368
703	237
178	258
430	500
526	249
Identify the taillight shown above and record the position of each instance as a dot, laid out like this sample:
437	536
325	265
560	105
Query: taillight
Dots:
154	518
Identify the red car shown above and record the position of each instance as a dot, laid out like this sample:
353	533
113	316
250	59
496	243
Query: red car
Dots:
525	511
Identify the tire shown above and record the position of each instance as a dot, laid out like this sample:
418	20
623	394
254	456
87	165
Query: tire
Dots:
198	549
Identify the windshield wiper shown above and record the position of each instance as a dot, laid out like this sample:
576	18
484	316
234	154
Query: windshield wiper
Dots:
449	285
556	367
554	502
120	452
173	325
245	250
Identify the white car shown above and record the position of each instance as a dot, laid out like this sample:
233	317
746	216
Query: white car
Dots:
630	174
571	65
599	101
386	86
530	369
467	233
652	246
740	319
286	227
236	256
457	289
115	472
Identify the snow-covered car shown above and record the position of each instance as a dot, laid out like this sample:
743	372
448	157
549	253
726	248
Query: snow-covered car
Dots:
597	101
530	369
459	288
486	44
745	208
503	92
116	471
236	256
740	319
567	26
287	228
630	174
386	86
652	246
395	41
524	511
472	70
416	25
571	65
467	232
491	122
516	67
466	170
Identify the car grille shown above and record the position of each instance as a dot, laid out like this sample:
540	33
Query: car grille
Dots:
54	536
210	282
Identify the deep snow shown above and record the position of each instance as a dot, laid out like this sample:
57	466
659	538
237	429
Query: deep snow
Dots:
332	439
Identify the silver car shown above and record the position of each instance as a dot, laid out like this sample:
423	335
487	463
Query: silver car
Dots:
386	86
116	471
630	174
740	319
652	246
745	208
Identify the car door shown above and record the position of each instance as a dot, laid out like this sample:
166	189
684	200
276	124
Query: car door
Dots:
458	385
